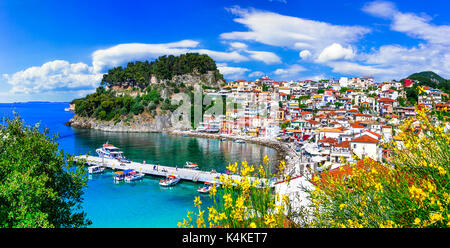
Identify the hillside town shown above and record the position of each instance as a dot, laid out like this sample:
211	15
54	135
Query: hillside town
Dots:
322	122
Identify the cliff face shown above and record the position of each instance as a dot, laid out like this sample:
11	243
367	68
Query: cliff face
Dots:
141	123
158	120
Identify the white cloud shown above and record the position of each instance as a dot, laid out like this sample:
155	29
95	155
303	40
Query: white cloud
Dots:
290	72
57	75
351	68
230	72
256	74
380	8
117	55
397	61
412	24
335	52
103	59
238	45
305	54
266	57
291	32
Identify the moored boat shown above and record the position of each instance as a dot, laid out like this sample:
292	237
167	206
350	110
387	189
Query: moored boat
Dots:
111	152
170	180
121	175
191	165
134	176
96	169
206	188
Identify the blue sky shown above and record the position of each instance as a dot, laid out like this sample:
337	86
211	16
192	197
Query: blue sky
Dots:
58	50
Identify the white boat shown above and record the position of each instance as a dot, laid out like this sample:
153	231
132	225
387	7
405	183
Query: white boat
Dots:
170	180
191	165
206	188
239	141
121	175
134	176
96	169
111	152
223	139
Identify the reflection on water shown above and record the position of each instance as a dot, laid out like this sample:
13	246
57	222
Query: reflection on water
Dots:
172	150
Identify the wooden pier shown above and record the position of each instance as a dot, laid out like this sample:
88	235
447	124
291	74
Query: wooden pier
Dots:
159	170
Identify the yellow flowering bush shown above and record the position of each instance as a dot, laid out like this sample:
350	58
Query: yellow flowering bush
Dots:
409	189
243	199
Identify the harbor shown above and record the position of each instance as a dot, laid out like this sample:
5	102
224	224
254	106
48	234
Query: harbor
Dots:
188	174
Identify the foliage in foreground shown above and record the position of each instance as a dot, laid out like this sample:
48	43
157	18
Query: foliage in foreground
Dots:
38	186
411	189
239	202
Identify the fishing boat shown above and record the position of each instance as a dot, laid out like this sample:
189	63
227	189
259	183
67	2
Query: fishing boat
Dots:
206	188
134	176
121	175
191	165
96	169
111	152
170	180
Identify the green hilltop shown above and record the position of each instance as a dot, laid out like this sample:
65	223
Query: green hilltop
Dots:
432	80
126	92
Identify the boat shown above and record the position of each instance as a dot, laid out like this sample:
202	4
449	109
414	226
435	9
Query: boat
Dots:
223	139
191	165
121	175
111	152
206	188
170	180
134	176
96	169
239	141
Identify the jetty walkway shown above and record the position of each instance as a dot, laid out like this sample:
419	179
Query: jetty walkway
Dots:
160	170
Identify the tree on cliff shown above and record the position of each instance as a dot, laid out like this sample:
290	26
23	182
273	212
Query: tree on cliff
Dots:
39	186
137	74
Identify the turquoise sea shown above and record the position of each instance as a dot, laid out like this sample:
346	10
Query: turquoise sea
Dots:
143	203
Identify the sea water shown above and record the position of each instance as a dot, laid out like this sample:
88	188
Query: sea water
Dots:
142	203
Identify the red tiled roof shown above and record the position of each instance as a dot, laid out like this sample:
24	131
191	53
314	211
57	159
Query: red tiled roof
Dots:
376	134
343	144
327	140
386	100
365	139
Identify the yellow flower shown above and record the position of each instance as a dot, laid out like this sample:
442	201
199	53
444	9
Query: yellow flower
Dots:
197	201
269	220
417	193
252	225
434	217
420	89
342	206
228	200
417	221
442	171
213	190
266	159
378	187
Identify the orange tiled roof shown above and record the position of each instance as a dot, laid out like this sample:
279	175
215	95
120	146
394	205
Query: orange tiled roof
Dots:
365	139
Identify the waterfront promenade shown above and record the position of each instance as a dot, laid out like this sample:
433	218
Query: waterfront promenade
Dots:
160	170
